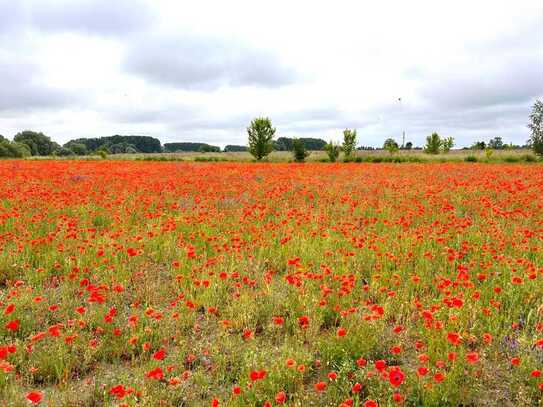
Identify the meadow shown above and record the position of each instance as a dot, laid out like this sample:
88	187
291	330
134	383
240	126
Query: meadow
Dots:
129	283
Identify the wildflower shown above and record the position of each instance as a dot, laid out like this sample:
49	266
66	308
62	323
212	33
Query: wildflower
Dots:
35	397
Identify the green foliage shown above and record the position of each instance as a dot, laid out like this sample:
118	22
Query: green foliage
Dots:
470	159
311	144
261	135
189	147
391	145
63	152
529	158
408	145
446	144
10	149
38	143
433	144
299	151
349	142
143	144
122	148
209	149
488	153
233	148
496	143
332	150
78	148
478	145
536	128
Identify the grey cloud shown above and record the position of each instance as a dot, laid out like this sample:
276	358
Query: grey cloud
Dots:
21	89
204	63
514	81
92	17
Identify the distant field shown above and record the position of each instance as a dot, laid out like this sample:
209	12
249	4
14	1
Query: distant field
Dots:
286	156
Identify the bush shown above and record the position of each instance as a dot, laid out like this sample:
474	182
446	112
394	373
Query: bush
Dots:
470	159
511	159
332	149
64	152
391	145
529	158
298	150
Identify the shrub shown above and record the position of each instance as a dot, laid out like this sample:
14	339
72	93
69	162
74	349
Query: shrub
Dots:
470	159
298	150
332	149
511	159
390	145
446	144
63	152
529	158
488	153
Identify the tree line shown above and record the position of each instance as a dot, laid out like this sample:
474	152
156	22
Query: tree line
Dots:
261	142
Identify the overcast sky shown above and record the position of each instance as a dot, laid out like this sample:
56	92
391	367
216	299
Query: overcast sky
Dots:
200	70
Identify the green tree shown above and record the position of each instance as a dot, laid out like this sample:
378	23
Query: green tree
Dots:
333	150
391	145
63	152
349	142
261	135
38	143
496	143
447	143
408	145
78	148
299	151
536	128
433	144
478	145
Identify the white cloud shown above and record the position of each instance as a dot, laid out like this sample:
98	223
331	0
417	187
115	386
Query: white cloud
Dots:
201	70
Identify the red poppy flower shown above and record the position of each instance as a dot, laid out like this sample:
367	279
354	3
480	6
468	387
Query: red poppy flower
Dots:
35	397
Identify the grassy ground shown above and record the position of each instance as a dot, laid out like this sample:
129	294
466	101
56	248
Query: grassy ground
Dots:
236	284
316	156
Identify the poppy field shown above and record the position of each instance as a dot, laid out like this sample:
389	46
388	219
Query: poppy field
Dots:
131	283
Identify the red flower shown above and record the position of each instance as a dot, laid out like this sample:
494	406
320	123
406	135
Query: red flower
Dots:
13	325
472	357
380	365
118	391
396	376
280	397
371	403
155	374
159	354
341	332
454	338
320	386
9	309
356	388
303	321
35	397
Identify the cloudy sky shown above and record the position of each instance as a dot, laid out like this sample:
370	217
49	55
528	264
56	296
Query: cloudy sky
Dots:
199	71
